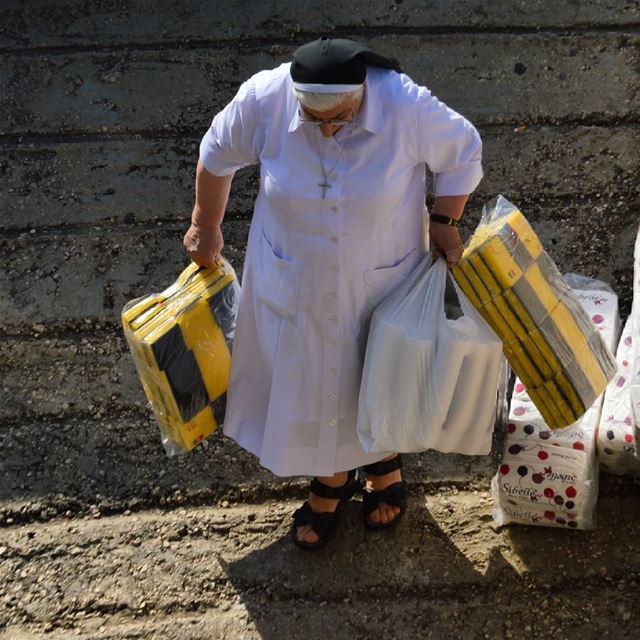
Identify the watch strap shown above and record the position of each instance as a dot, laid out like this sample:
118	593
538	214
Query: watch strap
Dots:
436	217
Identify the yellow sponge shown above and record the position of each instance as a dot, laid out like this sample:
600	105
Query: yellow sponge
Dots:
180	340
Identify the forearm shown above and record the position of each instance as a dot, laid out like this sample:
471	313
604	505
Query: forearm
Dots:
450	206
445	238
212	195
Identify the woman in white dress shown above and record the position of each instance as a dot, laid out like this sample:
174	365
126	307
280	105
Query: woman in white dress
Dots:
343	139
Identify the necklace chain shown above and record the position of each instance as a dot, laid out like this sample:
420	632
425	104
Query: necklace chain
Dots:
325	184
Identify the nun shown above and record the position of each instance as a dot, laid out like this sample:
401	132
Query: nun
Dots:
343	139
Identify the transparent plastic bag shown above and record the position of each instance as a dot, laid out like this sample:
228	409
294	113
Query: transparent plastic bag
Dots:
634	390
617	441
181	342
549	340
429	382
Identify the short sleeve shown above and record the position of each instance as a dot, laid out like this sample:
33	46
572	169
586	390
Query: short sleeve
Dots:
450	145
232	141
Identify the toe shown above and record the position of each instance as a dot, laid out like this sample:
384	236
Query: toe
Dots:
388	513
374	516
307	534
384	514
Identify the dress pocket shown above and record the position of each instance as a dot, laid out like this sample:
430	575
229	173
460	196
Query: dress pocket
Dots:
381	281
278	281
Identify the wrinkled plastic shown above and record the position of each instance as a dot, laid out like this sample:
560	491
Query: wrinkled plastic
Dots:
181	342
549	340
502	400
429	382
619	429
578	282
550	477
617	437
635	327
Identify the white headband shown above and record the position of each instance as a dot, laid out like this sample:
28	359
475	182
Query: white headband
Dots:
326	88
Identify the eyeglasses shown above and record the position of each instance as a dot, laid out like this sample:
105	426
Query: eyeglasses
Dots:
307	119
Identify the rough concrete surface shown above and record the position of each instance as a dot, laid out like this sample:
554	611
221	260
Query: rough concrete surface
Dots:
102	536
573	76
148	180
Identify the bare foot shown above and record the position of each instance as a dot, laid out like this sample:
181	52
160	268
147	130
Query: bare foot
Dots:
385	513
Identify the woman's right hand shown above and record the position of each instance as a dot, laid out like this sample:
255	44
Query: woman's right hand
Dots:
203	244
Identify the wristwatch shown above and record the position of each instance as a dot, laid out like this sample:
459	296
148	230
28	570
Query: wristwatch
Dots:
436	217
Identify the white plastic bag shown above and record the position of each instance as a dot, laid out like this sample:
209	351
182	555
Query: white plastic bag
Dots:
428	382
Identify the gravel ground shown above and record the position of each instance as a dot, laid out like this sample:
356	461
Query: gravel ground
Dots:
230	571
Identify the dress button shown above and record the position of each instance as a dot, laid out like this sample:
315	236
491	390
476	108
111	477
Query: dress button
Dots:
333	319
332	422
332	396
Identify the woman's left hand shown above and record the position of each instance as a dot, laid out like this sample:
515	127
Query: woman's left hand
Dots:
445	242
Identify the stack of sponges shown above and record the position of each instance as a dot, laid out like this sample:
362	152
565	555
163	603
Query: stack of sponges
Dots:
180	340
548	338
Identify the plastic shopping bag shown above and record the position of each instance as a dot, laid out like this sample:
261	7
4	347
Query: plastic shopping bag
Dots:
181	341
428	382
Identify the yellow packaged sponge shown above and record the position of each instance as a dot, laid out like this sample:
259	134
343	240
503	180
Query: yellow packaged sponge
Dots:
548	338
181	340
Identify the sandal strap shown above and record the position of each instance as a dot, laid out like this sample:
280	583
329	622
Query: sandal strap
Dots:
395	495
320	522
343	492
384	466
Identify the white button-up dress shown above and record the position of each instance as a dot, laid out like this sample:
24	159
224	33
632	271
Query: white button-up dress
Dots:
316	267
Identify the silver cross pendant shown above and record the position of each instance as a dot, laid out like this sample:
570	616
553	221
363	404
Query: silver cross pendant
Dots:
324	185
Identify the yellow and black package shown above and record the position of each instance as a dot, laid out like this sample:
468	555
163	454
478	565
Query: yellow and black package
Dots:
181	342
548	338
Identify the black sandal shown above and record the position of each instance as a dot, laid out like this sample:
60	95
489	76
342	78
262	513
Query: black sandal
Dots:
395	495
323	523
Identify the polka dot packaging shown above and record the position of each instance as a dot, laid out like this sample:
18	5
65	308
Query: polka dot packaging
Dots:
548	477
619	427
617	432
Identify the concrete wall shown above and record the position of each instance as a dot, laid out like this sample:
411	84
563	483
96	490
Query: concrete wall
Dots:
103	105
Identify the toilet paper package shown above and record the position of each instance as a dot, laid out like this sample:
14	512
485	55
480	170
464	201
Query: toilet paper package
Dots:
548	338
635	327
549	476
619	427
429	381
617	432
544	515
